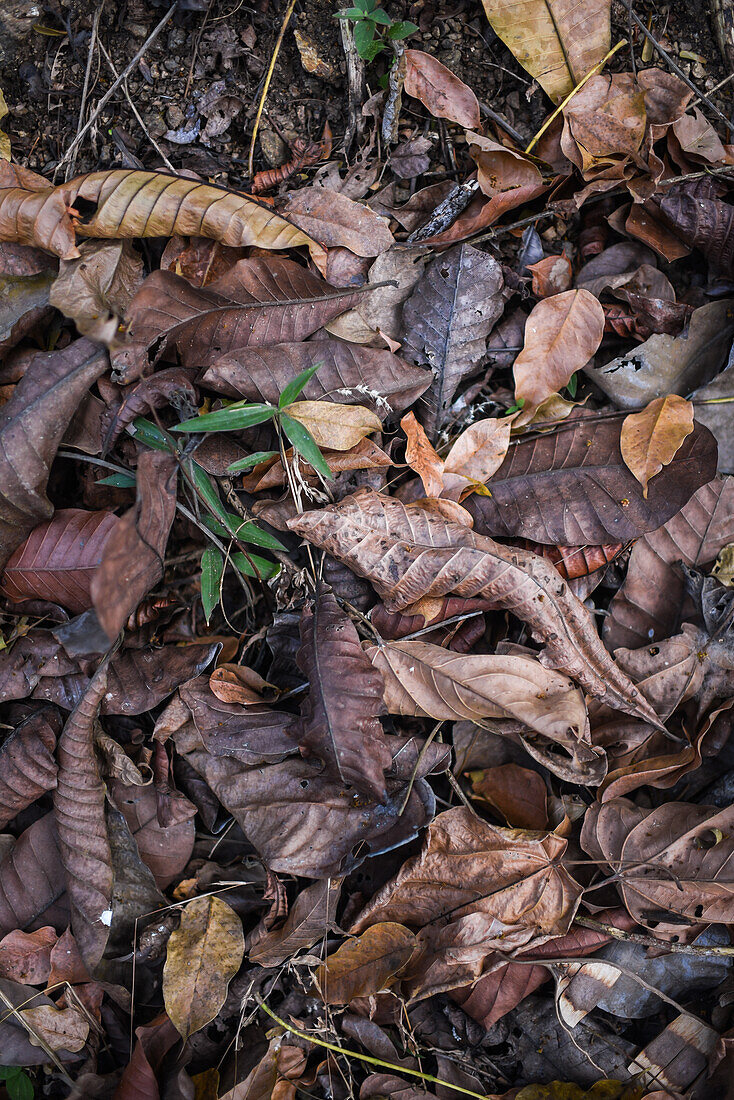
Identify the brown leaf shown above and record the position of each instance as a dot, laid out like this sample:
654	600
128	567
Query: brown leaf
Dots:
59	559
17	1042
24	305
439	90
172	385
473	887
340	722
446	321
132	561
258	302
96	289
571	487
274	1077
650	439
32	425
475	456
346	373
336	221
551	275
573	562
254	734
648	605
79	803
27	765
59	1028
335	426
552	39
421	456
431	682
366	965
32	880
138	204
203	955
409	552
165	849
703	222
312	916
561	335
518	794
673	862
303	823
139	1077
508	178
605	123
26	956
365	456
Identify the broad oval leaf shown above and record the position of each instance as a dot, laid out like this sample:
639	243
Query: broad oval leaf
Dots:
203	955
27	764
59	559
650	439
333	426
32	881
366	965
571	487
439	90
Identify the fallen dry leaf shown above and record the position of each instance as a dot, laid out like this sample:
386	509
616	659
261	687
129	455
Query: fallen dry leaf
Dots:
439	90
366	965
334	426
650	439
421	456
203	955
96	289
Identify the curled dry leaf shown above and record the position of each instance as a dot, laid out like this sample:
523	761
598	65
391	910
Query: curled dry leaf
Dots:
312	916
561	335
32	425
508	178
79	803
203	955
340	722
27	764
548	489
446	321
334	426
556	41
475	456
132	560
410	552
59	559
346	373
439	90
366	965
136	204
174	386
421	456
96	289
650	439
336	221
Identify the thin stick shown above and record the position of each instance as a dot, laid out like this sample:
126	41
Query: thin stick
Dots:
266	85
135	111
599	65
672	65
514	134
365	1057
113	87
85	88
650	941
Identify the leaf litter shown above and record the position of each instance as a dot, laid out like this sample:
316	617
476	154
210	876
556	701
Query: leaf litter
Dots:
366	659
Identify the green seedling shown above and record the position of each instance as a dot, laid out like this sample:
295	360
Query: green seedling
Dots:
373	28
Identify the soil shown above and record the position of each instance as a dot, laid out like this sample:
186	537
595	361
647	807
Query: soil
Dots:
222	50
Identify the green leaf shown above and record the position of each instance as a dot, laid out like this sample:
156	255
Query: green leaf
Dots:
212	570
516	407
349	13
208	491
263	569
118	481
379	15
294	387
364	32
305	444
573	385
233	418
17	1083
372	50
150	435
244	530
366	5
251	461
401	30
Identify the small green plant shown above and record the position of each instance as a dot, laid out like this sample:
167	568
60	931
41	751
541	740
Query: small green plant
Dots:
17	1083
373	28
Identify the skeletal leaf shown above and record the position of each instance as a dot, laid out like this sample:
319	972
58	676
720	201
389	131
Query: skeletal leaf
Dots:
366	965
203	955
650	439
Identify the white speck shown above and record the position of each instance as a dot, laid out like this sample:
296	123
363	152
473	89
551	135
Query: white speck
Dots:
106	917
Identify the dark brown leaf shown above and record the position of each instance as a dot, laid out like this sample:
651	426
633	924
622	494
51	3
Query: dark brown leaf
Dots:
704	223
132	561
174	384
571	487
32	425
32	881
165	850
139	1077
59	559
313	916
340	722
27	764
347	373
79	805
254	734
26	956
648	606
410	552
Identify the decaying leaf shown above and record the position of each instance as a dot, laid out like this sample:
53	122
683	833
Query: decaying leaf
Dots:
311	917
446	321
422	457
32	886
439	90
96	289
367	964
203	955
340	721
650	439
557	42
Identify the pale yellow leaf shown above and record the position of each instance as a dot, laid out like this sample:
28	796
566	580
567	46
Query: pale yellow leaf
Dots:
334	426
476	455
650	439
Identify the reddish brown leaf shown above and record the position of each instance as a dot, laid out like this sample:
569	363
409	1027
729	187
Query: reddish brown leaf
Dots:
32	880
165	849
366	965
59	559
132	561
518	794
439	90
26	956
139	1077
577	561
